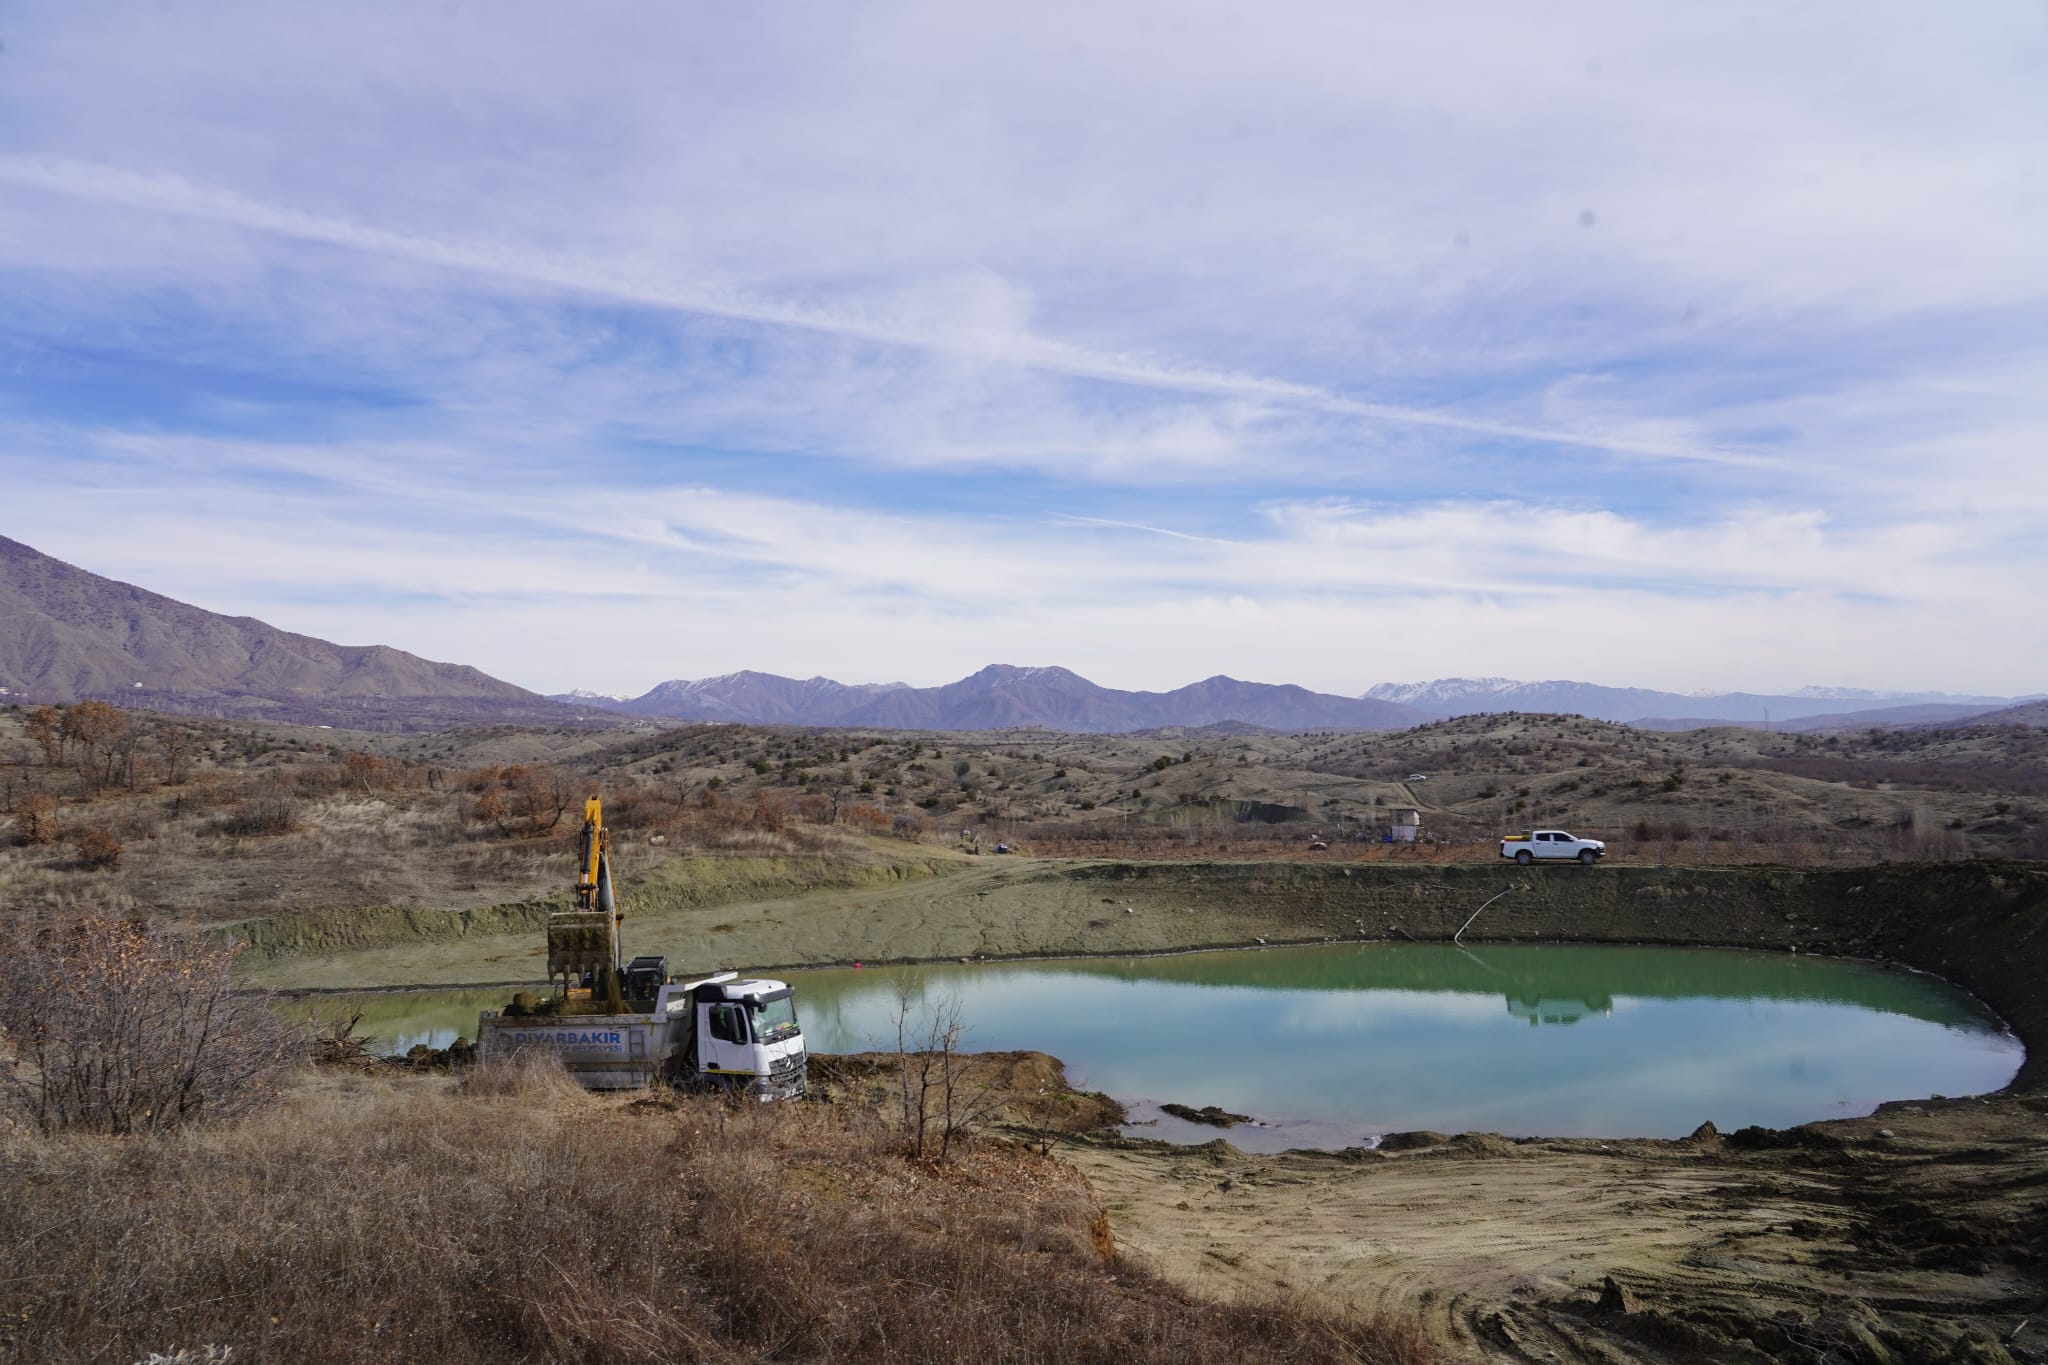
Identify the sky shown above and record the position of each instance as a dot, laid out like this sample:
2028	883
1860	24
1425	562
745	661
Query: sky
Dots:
1691	347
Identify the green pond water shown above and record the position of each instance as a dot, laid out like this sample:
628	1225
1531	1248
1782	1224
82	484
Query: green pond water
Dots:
1332	1046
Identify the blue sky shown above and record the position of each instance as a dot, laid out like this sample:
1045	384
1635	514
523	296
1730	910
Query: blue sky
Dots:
1325	343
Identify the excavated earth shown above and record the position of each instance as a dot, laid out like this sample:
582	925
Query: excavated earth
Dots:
1919	1233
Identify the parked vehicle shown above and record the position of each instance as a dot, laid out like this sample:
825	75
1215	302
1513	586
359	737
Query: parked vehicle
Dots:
619	1027
1552	845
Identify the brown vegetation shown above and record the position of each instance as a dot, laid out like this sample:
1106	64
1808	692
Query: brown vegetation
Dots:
111	1027
218	821
515	1218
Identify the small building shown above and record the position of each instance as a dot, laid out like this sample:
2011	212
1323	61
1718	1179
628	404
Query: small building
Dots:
1407	824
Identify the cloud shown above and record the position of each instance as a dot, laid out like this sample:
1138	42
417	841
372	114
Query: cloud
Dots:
366	543
1137	336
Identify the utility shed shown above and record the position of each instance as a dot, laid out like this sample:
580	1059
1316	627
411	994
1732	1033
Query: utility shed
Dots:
1407	824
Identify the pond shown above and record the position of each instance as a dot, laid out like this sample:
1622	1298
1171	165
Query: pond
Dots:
1332	1046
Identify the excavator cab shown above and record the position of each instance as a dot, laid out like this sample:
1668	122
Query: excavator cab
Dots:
645	975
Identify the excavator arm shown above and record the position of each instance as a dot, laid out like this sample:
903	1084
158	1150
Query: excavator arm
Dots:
583	943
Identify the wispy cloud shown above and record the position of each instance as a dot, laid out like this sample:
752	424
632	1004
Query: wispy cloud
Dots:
1133	338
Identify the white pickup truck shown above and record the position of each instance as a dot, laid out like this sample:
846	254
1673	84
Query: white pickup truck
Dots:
1549	845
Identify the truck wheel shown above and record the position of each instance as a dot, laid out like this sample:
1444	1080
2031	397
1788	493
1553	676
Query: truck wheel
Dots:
1587	856
1525	857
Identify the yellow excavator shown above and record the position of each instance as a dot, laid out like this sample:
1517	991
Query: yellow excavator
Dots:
583	942
616	1024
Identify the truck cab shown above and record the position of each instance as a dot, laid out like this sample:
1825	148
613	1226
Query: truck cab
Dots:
740	1035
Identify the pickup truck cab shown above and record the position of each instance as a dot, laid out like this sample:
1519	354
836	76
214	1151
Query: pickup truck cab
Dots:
1551	845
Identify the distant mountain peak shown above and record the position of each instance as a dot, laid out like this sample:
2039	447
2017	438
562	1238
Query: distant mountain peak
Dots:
1001	696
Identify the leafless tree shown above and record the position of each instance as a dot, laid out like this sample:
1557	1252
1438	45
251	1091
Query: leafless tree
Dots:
942	1103
97	728
174	745
45	725
541	795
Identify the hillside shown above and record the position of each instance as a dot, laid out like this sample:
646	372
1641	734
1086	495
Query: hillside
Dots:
1918	713
67	634
2034	713
1003	696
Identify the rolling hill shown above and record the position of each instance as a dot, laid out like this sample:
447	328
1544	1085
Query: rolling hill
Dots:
67	634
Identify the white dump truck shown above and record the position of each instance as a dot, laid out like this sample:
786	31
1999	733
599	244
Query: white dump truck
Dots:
718	1031
619	1027
1551	845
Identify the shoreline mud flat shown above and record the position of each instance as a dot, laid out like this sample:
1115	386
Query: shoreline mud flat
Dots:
1828	1242
1918	1233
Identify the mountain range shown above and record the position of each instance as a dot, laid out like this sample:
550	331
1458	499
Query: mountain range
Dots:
1676	710
66	634
1057	698
1004	695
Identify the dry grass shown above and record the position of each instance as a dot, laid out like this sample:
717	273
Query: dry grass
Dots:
513	1218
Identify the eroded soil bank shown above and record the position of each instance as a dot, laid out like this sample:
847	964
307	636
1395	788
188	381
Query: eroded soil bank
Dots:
1916	1234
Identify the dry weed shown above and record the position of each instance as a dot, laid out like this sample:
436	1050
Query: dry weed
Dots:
376	1218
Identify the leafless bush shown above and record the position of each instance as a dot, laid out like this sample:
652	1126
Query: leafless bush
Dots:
98	848
941	1105
35	818
542	794
115	1028
271	809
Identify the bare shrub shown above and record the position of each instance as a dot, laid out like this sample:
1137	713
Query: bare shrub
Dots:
271	809
489	808
114	1027
98	848
35	818
364	772
541	795
769	814
941	1105
865	818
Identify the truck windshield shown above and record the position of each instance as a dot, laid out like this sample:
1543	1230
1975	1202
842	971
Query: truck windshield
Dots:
774	1020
